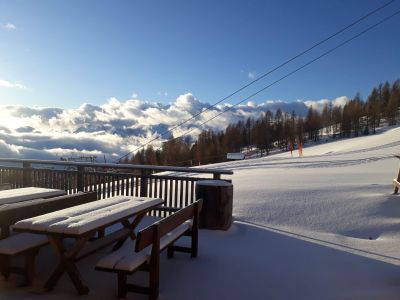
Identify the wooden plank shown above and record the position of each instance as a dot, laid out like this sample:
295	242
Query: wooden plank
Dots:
118	180
150	182
122	186
166	185
171	190
160	193
186	193
192	192
176	193
108	187
104	186
120	166
155	187
167	209
132	184
180	193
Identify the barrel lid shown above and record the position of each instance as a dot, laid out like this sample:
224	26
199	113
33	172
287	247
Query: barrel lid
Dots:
213	183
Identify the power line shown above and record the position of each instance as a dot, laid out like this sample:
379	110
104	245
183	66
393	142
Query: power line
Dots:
261	77
296	70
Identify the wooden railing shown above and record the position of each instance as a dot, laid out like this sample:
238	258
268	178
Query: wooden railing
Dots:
172	184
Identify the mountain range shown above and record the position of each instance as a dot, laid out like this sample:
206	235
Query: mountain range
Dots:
117	127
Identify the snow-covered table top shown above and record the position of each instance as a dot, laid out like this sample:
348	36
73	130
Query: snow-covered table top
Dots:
28	193
81	219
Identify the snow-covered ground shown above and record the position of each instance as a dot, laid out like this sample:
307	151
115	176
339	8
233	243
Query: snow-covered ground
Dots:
324	226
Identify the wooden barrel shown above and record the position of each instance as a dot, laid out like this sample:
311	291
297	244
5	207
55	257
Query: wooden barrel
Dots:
217	196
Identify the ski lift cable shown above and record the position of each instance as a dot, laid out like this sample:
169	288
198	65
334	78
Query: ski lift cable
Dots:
261	77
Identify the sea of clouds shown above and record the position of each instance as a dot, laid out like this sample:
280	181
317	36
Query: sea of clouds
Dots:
117	127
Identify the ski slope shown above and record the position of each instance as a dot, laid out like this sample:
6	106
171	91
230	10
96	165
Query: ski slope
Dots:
339	192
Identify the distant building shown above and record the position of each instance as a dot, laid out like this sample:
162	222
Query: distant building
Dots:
235	156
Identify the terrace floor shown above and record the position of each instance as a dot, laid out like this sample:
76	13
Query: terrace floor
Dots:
246	262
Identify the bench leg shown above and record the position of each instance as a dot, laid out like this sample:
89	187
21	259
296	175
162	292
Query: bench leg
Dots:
170	251
29	268
122	290
154	281
5	266
195	242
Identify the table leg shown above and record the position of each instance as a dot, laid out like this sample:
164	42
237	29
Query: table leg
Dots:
55	276
130	226
67	264
75	277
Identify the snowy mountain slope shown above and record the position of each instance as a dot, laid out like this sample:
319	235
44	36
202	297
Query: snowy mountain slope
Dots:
339	193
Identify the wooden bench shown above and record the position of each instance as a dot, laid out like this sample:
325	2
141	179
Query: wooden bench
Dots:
28	244
24	244
150	242
5	186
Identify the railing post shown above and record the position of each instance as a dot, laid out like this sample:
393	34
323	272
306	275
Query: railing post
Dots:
216	176
144	182
80	179
26	174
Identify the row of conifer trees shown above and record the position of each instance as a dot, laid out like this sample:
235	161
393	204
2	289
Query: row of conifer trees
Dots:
281	130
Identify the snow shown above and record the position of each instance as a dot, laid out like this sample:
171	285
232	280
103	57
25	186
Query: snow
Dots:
324	226
27	193
84	218
213	183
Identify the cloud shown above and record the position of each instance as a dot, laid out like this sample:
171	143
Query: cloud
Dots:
117	127
11	85
251	75
319	105
9	26
135	95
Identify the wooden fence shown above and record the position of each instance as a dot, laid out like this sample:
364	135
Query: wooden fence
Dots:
172	184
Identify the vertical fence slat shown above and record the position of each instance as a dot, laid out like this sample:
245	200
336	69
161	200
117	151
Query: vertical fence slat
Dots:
192	192
175	193
181	204
150	188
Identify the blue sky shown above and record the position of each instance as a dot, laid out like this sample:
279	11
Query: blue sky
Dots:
65	53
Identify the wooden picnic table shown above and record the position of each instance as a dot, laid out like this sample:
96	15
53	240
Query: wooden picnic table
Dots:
81	224
27	193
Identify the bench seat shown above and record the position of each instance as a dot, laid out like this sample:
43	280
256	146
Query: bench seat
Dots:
127	260
19	243
26	244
